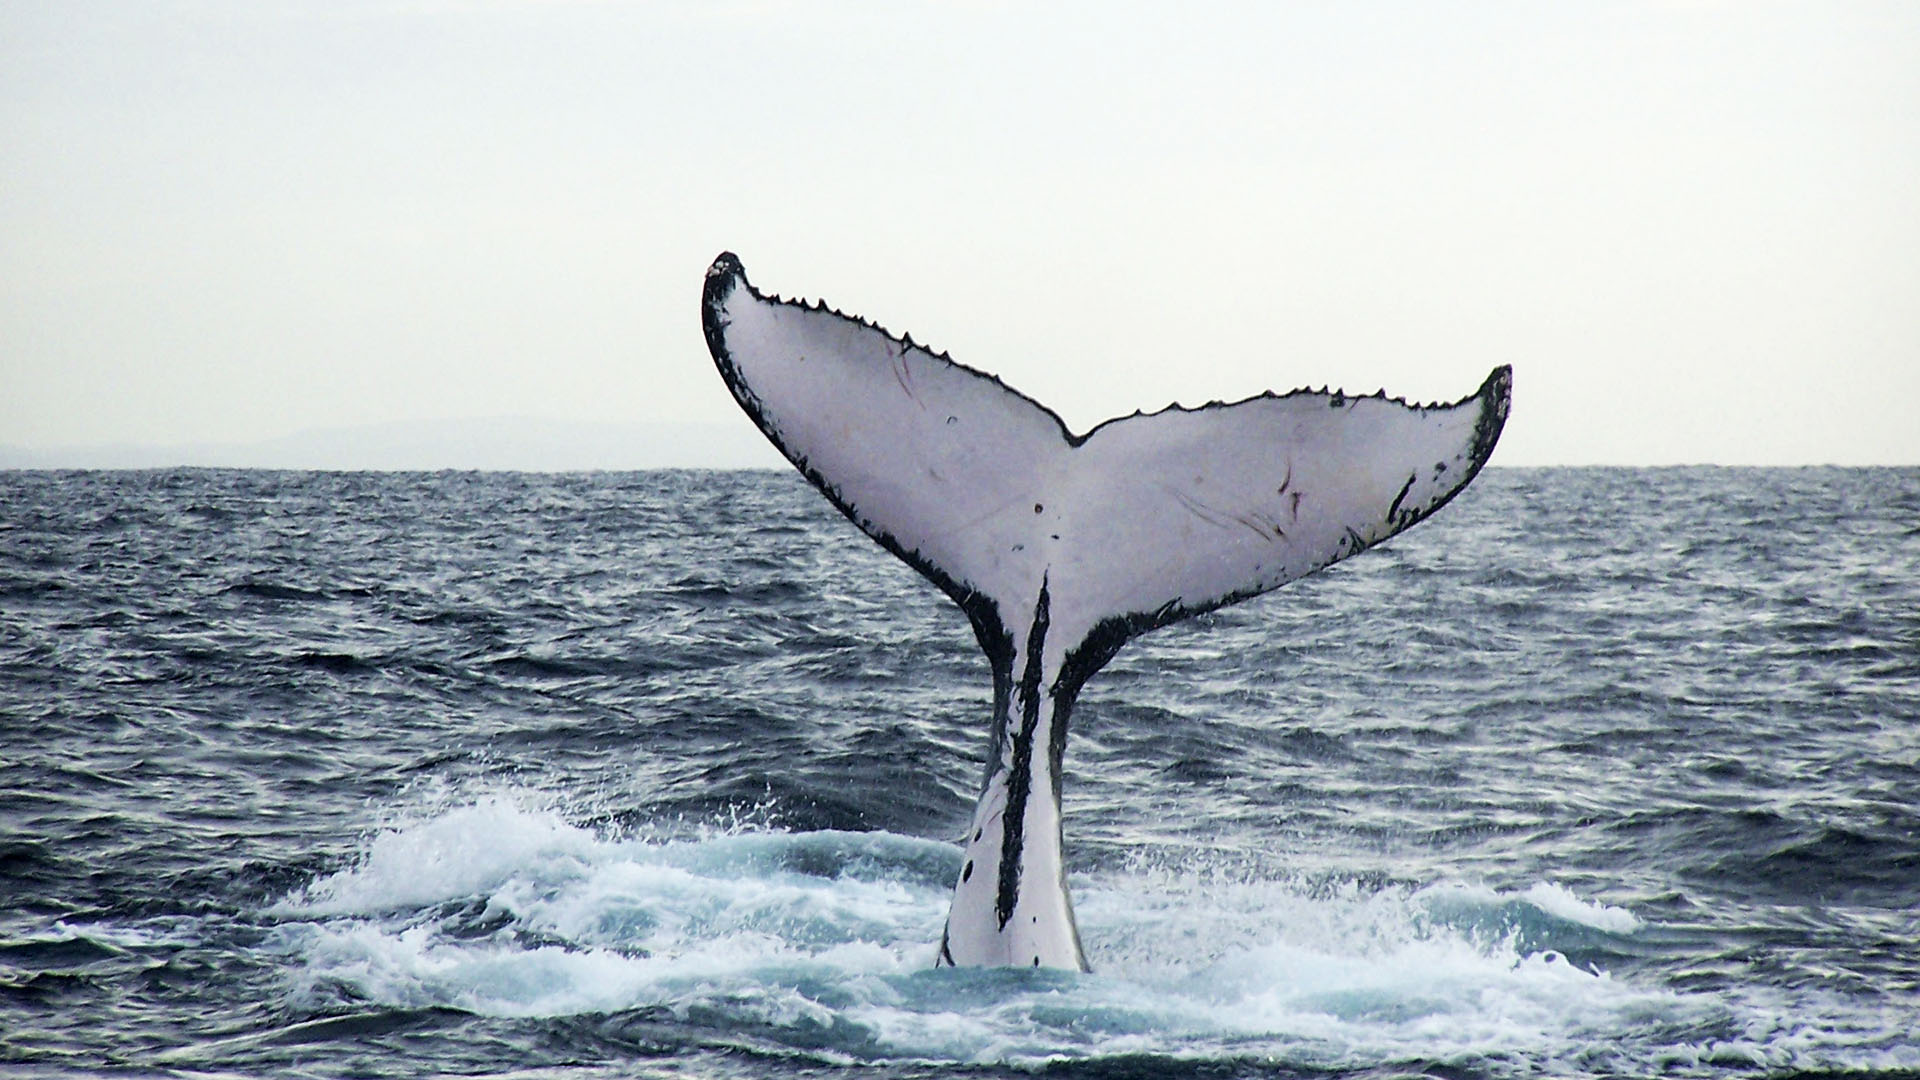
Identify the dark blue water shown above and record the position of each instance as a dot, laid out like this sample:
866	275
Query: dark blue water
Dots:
1599	772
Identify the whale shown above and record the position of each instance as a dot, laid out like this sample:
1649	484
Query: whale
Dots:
1060	547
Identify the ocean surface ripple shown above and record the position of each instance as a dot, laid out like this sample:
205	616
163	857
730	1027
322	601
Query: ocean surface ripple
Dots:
1600	772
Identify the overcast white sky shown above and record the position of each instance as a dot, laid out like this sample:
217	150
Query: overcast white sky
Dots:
1692	227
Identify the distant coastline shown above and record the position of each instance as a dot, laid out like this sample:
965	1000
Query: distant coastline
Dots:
529	444
491	443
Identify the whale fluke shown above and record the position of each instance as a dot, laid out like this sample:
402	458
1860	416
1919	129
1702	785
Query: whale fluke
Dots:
1061	547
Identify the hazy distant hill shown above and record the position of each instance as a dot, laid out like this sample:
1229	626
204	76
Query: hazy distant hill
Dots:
499	443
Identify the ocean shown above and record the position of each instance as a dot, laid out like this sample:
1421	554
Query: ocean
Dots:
1600	772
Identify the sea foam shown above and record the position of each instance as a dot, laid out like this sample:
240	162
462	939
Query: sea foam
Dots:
823	942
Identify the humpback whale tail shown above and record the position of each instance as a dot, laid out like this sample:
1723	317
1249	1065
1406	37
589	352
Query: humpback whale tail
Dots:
1061	547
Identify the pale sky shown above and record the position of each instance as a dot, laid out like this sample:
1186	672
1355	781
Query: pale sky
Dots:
1692	227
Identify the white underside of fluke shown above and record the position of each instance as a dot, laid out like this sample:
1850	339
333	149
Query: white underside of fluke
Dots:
1061	547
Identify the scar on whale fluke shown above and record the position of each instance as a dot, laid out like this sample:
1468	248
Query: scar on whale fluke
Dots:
1062	547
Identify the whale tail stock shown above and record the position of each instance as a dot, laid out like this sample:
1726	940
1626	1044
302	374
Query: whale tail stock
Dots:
1061	547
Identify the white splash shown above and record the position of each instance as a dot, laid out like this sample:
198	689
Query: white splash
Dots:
1555	900
824	942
